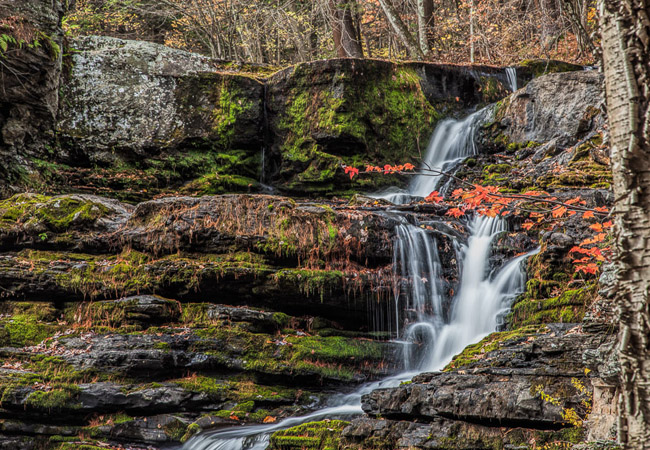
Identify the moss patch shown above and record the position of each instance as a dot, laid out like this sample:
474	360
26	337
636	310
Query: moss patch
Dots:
367	116
335	357
56	214
310	436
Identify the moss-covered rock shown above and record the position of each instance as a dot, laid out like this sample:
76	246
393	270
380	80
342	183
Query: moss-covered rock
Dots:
324	435
344	111
354	112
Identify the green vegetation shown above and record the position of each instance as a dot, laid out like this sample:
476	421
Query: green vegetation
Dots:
333	357
27	323
311	282
567	307
57	214
380	113
539	67
324	435
59	397
490	343
130	273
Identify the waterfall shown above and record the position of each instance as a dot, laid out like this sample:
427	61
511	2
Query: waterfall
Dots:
477	309
511	73
430	340
451	142
434	327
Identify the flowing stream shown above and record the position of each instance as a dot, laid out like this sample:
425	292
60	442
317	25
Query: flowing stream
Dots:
431	327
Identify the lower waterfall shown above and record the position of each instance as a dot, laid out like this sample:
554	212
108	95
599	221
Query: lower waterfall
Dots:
432	338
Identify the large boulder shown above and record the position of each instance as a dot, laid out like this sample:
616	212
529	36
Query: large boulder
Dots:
140	97
554	106
140	117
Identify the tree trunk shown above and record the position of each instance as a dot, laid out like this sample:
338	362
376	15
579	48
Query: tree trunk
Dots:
400	30
626	60
472	38
347	41
425	25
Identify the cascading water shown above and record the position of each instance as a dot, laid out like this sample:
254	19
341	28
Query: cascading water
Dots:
451	142
477	309
511	73
432	333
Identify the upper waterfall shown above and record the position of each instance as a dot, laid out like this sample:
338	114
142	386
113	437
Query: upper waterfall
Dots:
451	142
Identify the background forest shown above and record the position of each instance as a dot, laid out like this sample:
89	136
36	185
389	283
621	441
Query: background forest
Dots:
280	32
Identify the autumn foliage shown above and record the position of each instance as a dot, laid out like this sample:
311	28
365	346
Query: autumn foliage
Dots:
541	210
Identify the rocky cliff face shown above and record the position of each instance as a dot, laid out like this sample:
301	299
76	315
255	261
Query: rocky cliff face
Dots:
141	119
30	76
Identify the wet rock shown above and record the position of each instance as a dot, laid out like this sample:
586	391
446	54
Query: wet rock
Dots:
162	428
442	434
146	356
260	320
106	397
508	382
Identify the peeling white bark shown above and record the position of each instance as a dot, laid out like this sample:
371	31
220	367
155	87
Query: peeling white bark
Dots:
626	57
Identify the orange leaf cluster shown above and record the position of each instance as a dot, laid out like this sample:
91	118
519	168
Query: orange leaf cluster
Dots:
390	169
352	171
433	197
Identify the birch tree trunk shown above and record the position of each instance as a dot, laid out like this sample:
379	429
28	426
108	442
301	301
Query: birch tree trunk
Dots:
425	25
472	38
626	60
401	30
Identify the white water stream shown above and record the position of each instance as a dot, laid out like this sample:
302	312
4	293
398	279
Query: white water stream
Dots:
432	328
511	73
451	142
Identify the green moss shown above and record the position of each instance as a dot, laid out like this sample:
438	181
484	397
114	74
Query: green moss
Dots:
56	213
281	319
27	323
374	118
204	385
311	282
328	357
196	314
192	429
129	273
539	67
568	307
309	436
63	396
175	430
492	342
497	168
216	184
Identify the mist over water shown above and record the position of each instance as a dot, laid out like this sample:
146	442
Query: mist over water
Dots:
431	327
